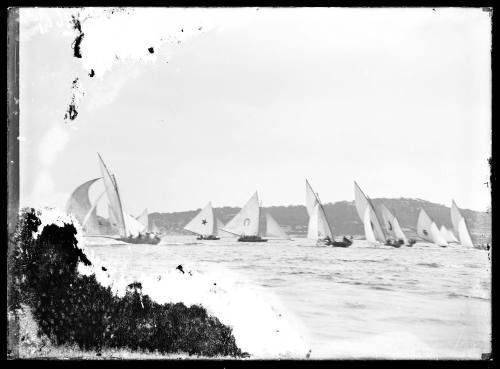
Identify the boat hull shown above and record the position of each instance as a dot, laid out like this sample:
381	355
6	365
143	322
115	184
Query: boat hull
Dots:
207	238
138	240
344	243
251	239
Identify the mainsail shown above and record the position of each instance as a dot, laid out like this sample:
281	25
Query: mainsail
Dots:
204	223
460	226
318	227
246	222
447	235
273	229
392	225
81	208
366	212
428	230
144	219
113	198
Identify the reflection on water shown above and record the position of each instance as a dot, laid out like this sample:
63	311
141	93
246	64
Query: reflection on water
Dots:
361	301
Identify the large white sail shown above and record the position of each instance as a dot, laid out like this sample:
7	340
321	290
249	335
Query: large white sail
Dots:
392	225
318	227
460	226
371	220
133	226
113	198
428	230
246	222
81	208
203	223
447	235
273	229
144	219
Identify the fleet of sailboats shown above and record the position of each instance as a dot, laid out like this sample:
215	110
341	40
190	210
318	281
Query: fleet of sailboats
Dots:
252	222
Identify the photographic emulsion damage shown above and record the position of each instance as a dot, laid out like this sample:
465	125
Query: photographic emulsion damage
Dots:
249	183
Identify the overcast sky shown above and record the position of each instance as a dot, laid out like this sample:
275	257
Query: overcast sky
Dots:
234	101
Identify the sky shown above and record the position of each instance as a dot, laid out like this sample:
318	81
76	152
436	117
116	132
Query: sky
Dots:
238	100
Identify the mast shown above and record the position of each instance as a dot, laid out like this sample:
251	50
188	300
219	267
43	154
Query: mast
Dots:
116	193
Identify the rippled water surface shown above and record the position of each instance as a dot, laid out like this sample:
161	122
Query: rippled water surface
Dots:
361	301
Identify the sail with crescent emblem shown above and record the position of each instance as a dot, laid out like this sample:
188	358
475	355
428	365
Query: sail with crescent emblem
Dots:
246	221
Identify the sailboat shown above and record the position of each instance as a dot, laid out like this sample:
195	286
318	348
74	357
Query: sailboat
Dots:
318	228
374	232
428	230
460	226
130	230
245	223
273	229
393	228
204	224
448	235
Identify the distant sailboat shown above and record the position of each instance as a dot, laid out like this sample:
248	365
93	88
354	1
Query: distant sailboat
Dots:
460	226
273	229
204	224
374	232
245	223
428	230
318	228
393	228
448	235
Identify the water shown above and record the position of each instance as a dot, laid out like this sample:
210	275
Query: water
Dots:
356	302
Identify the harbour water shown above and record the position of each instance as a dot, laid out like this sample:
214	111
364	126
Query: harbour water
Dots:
363	301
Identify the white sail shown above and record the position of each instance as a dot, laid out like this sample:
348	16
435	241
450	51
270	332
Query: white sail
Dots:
144	219
133	226
447	235
311	198
371	220
218	228
246	222
428	230
313	226
318	227
460	226
203	223
392	225
81	208
273	229
368	226
113	198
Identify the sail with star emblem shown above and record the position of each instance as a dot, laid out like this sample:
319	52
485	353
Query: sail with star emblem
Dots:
204	223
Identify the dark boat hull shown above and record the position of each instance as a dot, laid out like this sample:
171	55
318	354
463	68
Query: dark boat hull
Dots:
251	239
344	243
207	238
138	240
